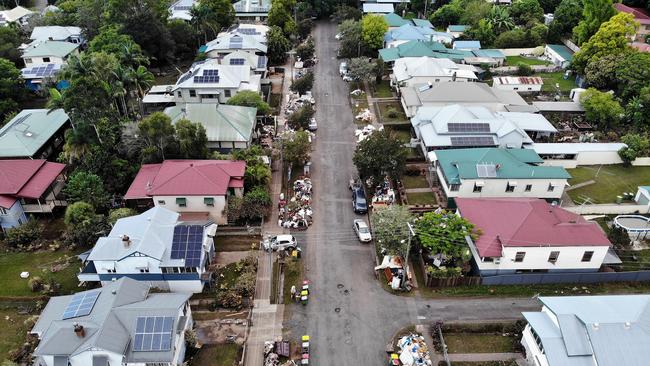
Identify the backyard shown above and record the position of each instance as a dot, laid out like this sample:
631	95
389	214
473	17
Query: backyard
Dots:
382	90
414	181
516	60
14	330
218	355
421	198
552	78
390	112
609	181
402	132
39	264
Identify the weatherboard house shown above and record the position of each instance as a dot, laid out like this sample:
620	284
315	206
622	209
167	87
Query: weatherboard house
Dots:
122	323
156	248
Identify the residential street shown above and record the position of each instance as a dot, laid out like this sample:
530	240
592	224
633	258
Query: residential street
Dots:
350	318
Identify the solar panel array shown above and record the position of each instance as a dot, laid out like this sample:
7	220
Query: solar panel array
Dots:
236	42
486	170
42	71
81	304
209	76
468	127
249	31
153	333
472	141
237	61
188	244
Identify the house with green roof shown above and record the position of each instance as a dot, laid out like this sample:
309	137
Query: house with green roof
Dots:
227	127
559	54
49	52
34	134
411	49
396	21
457	30
496	172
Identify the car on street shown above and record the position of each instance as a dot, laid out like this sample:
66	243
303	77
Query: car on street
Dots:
338	36
359	204
280	242
362	230
313	126
343	68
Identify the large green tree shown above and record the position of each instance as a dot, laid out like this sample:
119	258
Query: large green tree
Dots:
390	228
157	132
280	16
601	109
361	69
10	40
564	19
87	187
12	88
446	15
83	225
295	147
350	44
192	139
379	155
278	45
632	74
373	29
526	11
611	38
594	13
444	233
637	145
500	19
249	98
601	73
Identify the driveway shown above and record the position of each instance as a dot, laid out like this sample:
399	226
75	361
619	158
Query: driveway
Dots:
350	318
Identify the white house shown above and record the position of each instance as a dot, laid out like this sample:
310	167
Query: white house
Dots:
227	127
18	15
595	330
573	154
378	8
180	9
494	172
49	52
457	30
250	41
210	82
520	84
252	10
559	54
122	323
257	63
193	188
529	234
410	71
57	33
469	94
457	126
410	32
156	248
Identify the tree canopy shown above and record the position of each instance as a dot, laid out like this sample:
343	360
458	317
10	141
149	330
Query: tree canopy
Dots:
373	29
601	109
192	139
250	98
444	233
277	45
87	187
379	155
12	88
390	228
594	13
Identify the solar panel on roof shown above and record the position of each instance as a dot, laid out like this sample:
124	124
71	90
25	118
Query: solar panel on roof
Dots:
81	304
250	31
237	61
472	141
153	333
468	127
187	244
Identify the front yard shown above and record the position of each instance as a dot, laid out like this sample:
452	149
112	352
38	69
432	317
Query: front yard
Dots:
417	181
516	60
218	355
390	112
421	198
610	181
382	90
479	343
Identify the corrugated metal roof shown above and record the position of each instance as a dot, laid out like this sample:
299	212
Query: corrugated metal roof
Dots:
50	48
222	122
29	130
561	50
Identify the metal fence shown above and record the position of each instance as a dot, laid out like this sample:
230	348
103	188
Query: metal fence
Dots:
551	278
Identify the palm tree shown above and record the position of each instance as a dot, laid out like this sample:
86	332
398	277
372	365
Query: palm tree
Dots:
257	174
142	79
204	21
122	82
500	19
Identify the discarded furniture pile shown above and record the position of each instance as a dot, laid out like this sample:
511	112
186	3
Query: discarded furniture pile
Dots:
414	351
295	102
296	213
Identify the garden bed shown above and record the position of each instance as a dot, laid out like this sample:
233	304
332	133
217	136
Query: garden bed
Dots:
235	243
402	132
390	112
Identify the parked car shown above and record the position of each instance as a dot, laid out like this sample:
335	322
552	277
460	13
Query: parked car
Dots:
359	204
280	242
343	68
338	36
362	230
313	126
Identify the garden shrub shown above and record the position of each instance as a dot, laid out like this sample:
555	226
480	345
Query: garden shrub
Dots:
35	284
24	234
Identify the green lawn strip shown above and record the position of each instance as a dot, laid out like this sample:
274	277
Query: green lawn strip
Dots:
542	290
612	181
218	355
410	181
552	78
275	278
423	198
235	243
516	60
478	343
37	264
14	331
642	261
382	90
293	276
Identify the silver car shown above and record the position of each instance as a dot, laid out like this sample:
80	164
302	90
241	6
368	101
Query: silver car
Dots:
362	230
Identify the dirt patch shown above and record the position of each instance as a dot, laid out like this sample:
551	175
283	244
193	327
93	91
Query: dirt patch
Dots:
226	258
221	331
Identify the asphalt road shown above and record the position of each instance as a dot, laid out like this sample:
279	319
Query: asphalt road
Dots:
350	318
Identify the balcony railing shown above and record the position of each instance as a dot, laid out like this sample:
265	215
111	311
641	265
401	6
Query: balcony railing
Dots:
44	207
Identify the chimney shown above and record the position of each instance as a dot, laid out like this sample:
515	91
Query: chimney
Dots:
126	241
79	330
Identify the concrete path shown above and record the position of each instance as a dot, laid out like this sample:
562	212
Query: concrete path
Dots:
418	190
580	185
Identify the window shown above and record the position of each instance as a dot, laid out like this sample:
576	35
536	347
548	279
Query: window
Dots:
437	80
28	60
46	59
519	257
529	187
179	94
552	258
181	202
515	88
477	188
161	202
510	187
209	201
454	187
587	256
551	187
192	93
226	93
3	211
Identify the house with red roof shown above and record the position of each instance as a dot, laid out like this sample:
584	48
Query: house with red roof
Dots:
641	15
29	186
196	189
530	235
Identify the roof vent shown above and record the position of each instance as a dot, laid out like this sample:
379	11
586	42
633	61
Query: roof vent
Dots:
79	330
627	325
29	134
114	291
595	326
126	241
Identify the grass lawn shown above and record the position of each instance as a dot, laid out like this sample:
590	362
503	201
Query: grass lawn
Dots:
394	107
542	290
13	329
358	106
414	182
424	198
293	276
478	343
382	90
552	78
400	133
516	60
235	243
218	355
642	261
612	180
37	264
